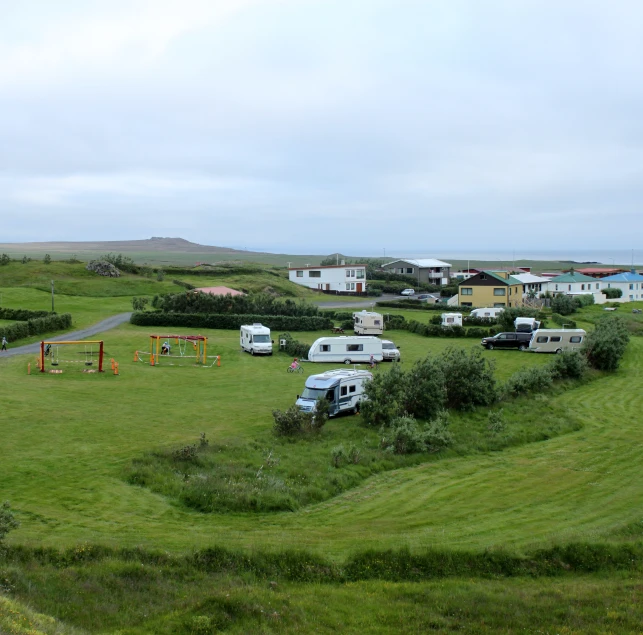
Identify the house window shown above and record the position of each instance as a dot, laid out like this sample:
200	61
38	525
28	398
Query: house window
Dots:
354	348
343	391
499	291
350	286
467	303
350	273
499	304
597	285
409	270
569	287
400	270
582	287
360	274
314	274
466	291
576	339
300	274
483	276
324	348
631	287
556	287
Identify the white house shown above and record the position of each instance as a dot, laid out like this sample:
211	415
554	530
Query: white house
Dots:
574	283
630	283
424	270
531	283
331	278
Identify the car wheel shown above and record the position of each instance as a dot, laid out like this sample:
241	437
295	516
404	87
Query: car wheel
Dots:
522	347
559	351
489	347
252	351
347	361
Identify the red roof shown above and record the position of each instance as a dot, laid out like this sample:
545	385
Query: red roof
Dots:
219	291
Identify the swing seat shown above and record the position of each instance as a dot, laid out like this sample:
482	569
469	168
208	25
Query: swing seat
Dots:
54	363
89	363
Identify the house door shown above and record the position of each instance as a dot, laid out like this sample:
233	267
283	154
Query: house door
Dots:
359	287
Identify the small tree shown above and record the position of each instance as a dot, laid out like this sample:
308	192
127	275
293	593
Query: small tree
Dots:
563	304
425	391
7	520
469	379
160	276
605	345
384	401
139	304
47	259
24	260
4	259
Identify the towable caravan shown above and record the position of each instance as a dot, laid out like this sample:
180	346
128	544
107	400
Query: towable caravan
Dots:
492	312
255	339
349	349
368	323
556	340
344	389
526	324
452	319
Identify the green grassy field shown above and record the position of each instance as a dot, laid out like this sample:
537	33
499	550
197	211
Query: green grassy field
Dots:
566	470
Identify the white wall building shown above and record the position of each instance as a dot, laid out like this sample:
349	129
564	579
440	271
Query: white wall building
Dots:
574	283
331	278
427	270
630	284
531	283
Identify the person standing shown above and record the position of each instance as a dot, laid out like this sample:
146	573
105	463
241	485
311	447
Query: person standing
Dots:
4	343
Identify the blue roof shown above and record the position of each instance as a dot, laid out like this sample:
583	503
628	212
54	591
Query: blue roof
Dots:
630	276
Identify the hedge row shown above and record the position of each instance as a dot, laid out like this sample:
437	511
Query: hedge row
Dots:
185	285
231	321
563	320
20	330
422	306
433	330
218	271
22	315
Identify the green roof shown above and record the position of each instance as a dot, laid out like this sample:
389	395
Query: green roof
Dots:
573	277
509	280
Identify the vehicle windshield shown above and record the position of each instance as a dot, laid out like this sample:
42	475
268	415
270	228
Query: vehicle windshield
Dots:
261	339
314	393
388	346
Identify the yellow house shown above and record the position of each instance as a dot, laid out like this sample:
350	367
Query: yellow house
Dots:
489	289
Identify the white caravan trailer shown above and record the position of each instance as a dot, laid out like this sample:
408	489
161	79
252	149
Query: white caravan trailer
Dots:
452	319
344	389
349	349
255	339
368	323
556	340
492	312
526	324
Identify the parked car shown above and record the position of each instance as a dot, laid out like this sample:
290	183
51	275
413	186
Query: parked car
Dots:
431	298
507	340
390	352
408	292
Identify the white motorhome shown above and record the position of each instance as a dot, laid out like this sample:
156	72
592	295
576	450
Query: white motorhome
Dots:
368	323
491	312
452	319
349	349
526	324
255	339
344	389
556	340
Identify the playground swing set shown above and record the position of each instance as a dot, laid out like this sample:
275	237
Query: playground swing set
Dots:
91	356
189	347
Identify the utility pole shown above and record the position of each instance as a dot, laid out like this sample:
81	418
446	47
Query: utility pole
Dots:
52	296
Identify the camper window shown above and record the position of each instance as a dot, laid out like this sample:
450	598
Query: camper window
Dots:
343	391
542	339
352	388
575	339
262	339
312	393
555	338
352	348
324	348
330	395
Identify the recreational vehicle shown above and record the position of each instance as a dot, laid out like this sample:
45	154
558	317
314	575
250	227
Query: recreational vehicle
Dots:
344	389
492	312
349	349
368	323
255	339
526	324
556	340
452	319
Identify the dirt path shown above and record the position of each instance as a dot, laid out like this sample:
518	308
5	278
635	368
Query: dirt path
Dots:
104	325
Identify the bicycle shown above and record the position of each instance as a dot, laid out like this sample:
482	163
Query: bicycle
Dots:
297	369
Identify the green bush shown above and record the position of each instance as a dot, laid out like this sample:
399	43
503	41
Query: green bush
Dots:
563	321
230	321
423	389
294	422
22	315
496	421
568	365
612	293
385	394
587	299
7	520
185	285
563	304
293	347
121	262
529	380
4	259
406	436
139	304
470	380
36	326
47	259
605	345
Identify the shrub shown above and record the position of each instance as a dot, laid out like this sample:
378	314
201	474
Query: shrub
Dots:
610	294
495	421
338	456
4	259
529	380
470	381
605	345
406	436
47	259
139	304
587	299
563	304
563	321
7	520
35	326
424	391
293	347
124	263
160	275
185	285
568	365
385	393
290	422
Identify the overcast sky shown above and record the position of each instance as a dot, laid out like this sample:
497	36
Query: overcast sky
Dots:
320	125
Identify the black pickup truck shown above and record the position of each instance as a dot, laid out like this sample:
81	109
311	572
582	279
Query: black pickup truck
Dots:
507	340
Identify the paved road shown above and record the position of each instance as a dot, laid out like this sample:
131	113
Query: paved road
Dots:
105	325
361	304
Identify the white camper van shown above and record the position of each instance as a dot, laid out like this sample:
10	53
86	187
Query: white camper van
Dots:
344	389
492	312
556	340
349	349
255	339
526	324
368	323
452	319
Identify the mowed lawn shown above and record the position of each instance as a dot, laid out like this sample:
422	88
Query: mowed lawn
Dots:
68	438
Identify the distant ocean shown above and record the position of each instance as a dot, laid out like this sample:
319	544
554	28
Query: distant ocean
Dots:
608	256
